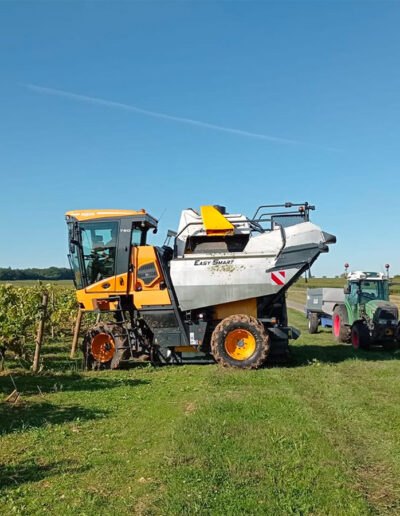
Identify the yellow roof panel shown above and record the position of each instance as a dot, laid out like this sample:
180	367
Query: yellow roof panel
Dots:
215	223
101	214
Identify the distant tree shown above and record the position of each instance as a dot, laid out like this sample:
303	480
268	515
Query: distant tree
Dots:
48	274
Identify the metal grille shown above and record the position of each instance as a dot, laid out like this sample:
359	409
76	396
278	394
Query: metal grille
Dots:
147	273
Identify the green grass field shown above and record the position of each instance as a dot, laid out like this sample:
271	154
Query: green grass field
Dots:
320	436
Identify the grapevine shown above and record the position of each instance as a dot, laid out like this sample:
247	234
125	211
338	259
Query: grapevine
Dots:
20	313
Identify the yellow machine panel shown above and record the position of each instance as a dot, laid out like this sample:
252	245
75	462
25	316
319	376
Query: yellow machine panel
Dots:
83	215
104	286
147	286
215	223
247	307
121	284
95	300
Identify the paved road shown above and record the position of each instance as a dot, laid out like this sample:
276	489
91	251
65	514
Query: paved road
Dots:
295	306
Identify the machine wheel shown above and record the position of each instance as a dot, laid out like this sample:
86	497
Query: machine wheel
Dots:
360	338
104	346
240	341
341	332
313	322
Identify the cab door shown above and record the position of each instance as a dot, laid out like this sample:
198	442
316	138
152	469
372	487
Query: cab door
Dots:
129	237
148	286
99	246
353	299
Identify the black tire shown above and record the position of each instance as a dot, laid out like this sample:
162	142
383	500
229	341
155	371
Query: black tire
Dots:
360	338
96	355
240	341
313	322
340	330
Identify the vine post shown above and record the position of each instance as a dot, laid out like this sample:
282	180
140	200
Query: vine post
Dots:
39	338
76	332
52	309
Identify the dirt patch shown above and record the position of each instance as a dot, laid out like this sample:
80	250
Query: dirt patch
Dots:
190	408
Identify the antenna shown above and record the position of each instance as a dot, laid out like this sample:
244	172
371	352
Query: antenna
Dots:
162	214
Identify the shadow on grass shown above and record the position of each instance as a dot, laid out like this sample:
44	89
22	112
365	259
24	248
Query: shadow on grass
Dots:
16	475
304	355
14	418
28	383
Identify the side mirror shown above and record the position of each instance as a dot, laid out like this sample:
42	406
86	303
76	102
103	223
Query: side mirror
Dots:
170	234
346	290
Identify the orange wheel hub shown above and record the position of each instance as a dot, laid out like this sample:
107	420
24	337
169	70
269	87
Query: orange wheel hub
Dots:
102	347
240	344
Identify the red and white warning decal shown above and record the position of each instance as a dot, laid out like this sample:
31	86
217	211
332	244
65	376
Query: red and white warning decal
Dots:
278	277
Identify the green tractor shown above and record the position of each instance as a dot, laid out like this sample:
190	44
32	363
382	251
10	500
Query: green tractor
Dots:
366	317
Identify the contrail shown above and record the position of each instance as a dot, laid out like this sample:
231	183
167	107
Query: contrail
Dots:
164	116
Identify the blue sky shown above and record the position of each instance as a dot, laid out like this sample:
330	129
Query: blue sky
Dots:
322	79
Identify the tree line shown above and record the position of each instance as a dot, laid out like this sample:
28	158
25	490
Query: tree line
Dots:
48	274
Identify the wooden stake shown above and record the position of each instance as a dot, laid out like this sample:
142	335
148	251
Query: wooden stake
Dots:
40	332
12	395
76	333
52	308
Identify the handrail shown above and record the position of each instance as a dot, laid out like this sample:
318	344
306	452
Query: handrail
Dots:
248	221
255	223
234	223
307	207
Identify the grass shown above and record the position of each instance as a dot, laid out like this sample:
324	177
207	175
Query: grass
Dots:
320	436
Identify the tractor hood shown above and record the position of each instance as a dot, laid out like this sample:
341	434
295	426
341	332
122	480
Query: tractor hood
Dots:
379	310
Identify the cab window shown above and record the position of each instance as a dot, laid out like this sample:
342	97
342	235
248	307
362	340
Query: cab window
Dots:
138	236
353	296
99	243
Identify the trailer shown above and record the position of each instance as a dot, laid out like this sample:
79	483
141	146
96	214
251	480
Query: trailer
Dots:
320	305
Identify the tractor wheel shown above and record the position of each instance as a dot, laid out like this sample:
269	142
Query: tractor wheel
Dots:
240	341
360	338
104	346
340	330
313	322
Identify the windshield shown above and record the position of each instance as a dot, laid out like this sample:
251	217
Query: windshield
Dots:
99	244
371	290
93	257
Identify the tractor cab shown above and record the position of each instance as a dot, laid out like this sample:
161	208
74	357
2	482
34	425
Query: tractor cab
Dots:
100	243
367	286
